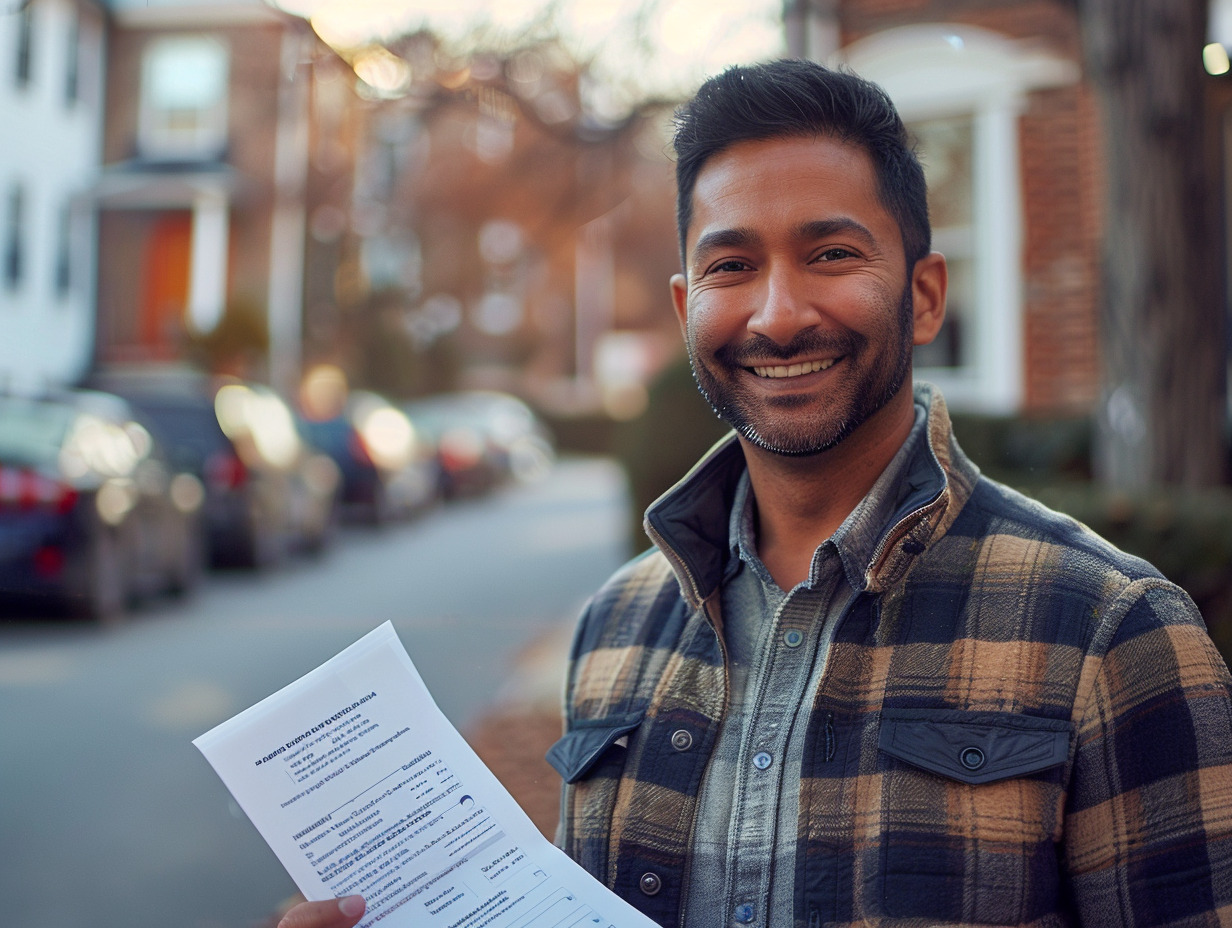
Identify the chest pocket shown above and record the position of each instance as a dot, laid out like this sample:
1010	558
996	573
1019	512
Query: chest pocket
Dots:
973	747
583	747
969	810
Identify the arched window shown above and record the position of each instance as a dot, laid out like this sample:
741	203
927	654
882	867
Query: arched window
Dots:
960	90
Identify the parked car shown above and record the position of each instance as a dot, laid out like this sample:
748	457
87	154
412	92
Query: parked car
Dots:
92	513
267	490
388	466
483	437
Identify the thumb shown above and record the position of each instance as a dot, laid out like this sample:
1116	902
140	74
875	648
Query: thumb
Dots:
331	913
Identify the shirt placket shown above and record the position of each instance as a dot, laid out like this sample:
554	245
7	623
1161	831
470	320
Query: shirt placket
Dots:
789	652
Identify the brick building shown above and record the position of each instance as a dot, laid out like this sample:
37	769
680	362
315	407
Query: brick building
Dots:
1008	131
227	138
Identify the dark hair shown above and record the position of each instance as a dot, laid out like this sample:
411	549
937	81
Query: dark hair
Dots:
792	97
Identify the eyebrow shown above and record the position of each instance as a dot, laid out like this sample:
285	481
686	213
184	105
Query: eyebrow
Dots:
740	237
822	228
725	238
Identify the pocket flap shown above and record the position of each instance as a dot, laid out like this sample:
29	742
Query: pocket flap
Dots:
973	747
575	753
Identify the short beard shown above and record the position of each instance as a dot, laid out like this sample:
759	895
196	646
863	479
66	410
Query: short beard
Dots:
724	402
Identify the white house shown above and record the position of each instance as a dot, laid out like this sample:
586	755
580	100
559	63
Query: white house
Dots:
51	109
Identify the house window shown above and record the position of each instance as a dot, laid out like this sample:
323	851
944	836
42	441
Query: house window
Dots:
72	74
945	147
25	42
63	277
960	90
14	237
184	99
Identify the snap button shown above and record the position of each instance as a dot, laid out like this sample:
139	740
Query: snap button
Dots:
972	758
762	760
744	913
682	740
650	884
793	637
911	546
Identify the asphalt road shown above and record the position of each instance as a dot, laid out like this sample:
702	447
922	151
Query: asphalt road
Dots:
110	817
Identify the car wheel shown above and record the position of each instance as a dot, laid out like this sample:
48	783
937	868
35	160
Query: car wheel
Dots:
268	545
322	535
382	511
105	598
185	573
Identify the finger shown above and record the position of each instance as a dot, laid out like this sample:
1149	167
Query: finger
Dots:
332	913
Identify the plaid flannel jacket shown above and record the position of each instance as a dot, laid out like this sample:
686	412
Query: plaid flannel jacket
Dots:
1018	724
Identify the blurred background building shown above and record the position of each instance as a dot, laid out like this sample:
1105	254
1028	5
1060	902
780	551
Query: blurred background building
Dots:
245	188
225	130
51	107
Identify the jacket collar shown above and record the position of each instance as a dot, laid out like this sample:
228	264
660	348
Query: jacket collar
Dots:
690	522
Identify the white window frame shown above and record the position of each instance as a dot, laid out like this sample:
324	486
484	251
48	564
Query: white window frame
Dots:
159	142
936	71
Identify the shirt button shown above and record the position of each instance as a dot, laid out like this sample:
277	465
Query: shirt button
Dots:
793	637
972	758
682	740
762	760
650	884
744	913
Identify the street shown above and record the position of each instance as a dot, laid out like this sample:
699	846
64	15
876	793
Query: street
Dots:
110	817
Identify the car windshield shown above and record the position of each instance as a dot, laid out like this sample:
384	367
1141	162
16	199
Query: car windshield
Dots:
189	428
330	435
32	432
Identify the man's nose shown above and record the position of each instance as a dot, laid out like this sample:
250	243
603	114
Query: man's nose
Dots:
786	308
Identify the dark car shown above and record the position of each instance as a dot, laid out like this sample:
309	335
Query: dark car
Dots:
92	514
267	490
483	438
388	466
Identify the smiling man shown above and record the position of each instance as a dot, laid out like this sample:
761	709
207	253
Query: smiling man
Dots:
854	682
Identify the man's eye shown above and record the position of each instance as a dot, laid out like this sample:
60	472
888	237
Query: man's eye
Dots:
730	266
835	254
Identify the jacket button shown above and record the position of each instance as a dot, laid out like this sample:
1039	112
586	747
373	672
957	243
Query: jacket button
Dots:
650	884
911	546
682	740
972	758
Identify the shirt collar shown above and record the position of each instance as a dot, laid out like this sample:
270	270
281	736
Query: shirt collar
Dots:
856	539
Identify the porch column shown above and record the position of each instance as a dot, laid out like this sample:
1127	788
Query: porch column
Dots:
207	280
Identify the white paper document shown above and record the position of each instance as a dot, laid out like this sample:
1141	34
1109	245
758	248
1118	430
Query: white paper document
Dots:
360	784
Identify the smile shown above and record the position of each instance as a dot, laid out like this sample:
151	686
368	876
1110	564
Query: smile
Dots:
793	370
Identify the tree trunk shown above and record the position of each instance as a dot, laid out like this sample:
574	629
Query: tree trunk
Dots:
1162	415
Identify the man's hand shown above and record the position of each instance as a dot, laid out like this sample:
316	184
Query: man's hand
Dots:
332	913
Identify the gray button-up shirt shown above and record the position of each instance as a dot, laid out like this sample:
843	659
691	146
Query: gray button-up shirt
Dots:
744	843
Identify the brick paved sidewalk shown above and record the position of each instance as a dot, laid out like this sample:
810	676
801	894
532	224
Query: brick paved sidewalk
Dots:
524	721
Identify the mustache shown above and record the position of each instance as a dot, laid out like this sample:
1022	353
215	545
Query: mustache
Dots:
761	347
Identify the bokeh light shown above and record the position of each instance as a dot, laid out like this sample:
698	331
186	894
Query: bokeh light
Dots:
634	48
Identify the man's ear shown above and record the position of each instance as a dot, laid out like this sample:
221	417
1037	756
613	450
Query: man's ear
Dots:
680	301
929	279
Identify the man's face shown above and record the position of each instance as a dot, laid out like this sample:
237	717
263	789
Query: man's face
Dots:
797	309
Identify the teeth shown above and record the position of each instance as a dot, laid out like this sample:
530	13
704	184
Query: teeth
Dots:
793	370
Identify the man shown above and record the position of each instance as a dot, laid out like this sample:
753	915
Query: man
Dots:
856	683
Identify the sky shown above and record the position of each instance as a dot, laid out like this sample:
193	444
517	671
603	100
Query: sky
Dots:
664	47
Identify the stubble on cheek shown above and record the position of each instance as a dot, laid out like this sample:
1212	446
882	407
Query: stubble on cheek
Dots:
781	423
